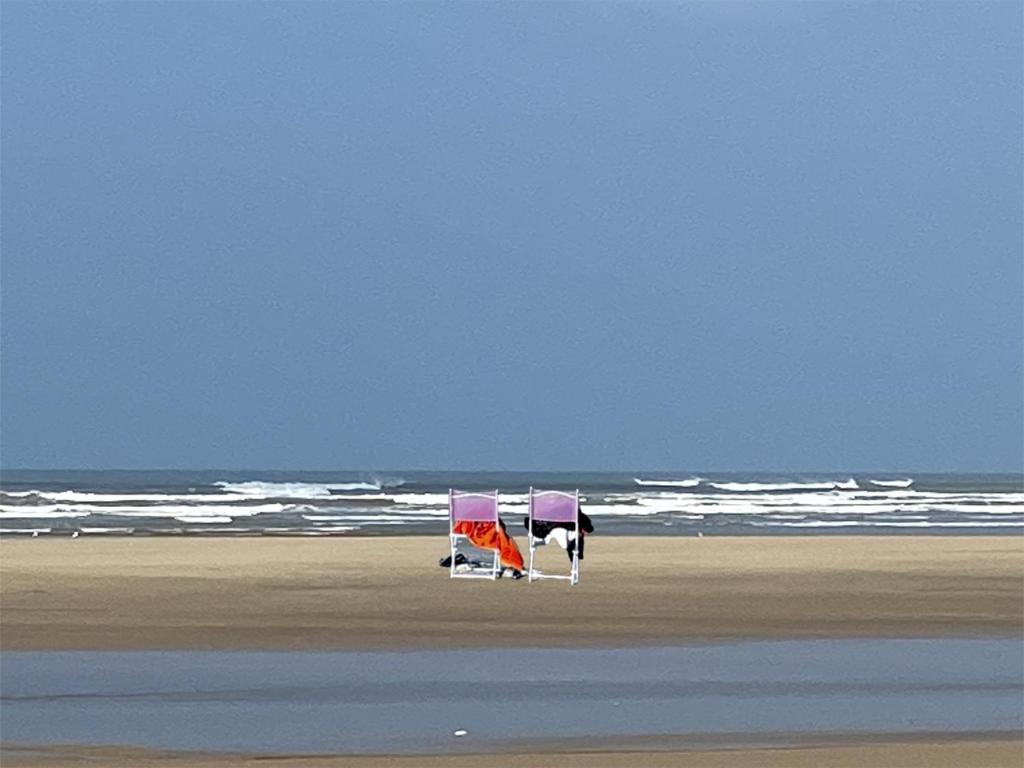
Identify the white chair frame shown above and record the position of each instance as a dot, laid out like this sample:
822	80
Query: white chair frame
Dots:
574	571
494	572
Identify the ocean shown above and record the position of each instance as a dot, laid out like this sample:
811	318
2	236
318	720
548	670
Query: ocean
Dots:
296	503
710	696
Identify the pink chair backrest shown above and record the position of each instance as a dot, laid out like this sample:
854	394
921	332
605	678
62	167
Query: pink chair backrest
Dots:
476	507
553	506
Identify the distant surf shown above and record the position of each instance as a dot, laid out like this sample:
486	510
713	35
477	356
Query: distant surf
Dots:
206	502
850	484
263	490
893	483
691	482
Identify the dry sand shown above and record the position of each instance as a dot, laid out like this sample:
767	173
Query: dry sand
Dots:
171	593
285	593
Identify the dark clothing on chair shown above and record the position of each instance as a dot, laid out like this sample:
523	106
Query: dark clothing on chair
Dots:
541	529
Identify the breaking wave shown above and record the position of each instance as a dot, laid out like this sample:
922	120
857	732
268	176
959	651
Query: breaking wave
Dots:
258	489
8	512
691	482
656	504
845	485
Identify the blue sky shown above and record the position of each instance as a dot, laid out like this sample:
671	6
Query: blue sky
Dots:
718	236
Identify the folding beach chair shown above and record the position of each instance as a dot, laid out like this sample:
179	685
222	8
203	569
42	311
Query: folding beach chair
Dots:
555	507
464	506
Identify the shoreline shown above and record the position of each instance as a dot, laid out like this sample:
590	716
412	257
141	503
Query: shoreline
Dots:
985	749
399	532
387	593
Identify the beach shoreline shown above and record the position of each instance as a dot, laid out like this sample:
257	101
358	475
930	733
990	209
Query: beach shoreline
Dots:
978	750
389	593
375	593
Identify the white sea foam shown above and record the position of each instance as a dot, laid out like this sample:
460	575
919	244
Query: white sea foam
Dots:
809	524
691	482
754	487
426	499
31	531
32	513
895	524
124	498
519	499
811	504
257	489
321	531
185	510
364	497
969	524
397	518
383	522
85	529
232	493
168	510
625	510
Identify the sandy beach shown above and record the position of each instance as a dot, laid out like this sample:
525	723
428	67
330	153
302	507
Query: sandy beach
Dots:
378	593
941	752
389	593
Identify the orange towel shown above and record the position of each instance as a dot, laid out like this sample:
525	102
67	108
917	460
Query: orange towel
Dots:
484	536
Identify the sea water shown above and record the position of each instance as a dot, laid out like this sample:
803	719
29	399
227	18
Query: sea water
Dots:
415	701
93	503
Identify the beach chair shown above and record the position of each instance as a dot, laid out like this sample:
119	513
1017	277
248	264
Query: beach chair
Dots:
464	506
555	507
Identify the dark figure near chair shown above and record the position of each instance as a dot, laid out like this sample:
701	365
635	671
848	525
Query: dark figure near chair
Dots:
542	529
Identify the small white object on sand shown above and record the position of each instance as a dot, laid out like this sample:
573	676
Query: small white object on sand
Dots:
460	732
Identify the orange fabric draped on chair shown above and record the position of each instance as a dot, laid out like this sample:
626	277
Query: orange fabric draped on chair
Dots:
488	536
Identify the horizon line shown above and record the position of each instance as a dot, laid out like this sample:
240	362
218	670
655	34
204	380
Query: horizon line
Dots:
634	471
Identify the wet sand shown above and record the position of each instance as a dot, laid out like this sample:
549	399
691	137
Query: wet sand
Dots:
976	751
511	699
386	593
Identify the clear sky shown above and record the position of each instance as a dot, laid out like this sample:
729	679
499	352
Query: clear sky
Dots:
717	236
